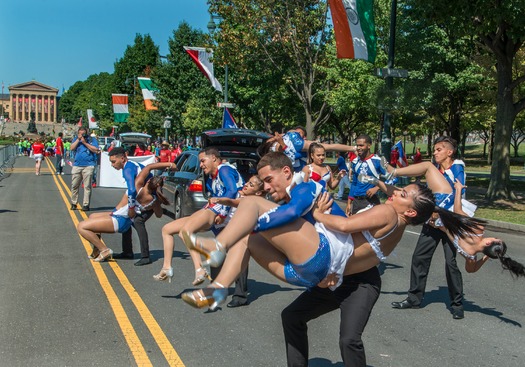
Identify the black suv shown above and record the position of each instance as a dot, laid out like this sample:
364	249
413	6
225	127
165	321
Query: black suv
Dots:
186	185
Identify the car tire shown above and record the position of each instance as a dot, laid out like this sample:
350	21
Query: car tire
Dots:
177	207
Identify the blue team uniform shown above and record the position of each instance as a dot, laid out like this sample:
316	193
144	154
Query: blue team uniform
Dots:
302	199
130	172
456	171
226	183
293	150
371	166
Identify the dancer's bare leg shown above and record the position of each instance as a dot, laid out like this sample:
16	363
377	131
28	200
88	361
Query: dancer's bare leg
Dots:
435	180
168	231
298	240
197	222
95	224
238	258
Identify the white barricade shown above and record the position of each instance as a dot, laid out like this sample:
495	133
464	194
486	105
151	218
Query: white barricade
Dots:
110	177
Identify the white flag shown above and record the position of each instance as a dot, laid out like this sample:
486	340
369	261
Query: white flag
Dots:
92	123
201	57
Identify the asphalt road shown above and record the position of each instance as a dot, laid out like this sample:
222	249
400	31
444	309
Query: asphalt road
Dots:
57	308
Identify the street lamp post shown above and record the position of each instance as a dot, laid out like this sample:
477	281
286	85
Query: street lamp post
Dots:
386	138
212	26
167	126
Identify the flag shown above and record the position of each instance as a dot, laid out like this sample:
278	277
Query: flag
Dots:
228	121
148	92
80	121
112	131
92	122
201	57
120	107
402	160
354	29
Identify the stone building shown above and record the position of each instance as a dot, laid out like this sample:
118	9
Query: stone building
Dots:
33	99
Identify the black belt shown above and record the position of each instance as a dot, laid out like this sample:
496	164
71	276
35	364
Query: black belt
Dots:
363	197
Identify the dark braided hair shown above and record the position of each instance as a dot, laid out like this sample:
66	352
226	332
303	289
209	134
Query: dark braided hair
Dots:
156	183
462	226
456	224
496	250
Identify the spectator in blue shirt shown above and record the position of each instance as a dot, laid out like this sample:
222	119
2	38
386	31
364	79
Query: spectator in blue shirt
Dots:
86	149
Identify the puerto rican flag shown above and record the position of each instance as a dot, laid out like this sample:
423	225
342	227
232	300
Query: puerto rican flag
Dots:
402	160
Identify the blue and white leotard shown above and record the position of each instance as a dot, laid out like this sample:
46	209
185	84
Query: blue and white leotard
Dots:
302	198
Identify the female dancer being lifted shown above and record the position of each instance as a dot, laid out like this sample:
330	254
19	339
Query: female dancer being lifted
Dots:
284	240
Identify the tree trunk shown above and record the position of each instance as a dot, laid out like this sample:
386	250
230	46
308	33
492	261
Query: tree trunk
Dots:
429	144
505	114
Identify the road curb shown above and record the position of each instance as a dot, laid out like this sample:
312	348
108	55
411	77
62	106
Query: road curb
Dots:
496	224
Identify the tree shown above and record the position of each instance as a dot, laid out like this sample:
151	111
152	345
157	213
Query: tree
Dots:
180	81
352	97
498	26
443	71
290	36
518	134
139	59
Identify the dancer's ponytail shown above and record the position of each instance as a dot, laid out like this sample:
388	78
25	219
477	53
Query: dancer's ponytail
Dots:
496	250
460	225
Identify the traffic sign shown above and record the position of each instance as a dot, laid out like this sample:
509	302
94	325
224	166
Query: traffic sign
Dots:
226	105
394	73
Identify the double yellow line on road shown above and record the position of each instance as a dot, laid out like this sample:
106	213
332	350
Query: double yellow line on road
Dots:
131	337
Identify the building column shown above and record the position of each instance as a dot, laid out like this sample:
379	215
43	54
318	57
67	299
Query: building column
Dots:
12	107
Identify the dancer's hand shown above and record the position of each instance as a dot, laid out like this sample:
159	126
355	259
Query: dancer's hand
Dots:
458	186
324	203
213	201
328	281
219	219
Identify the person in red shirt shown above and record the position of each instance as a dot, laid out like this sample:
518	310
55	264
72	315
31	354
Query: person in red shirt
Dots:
165	153
59	154
173	154
38	154
148	151
178	149
139	150
417	158
394	157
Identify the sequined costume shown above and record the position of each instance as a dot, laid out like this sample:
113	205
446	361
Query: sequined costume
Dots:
302	198
225	183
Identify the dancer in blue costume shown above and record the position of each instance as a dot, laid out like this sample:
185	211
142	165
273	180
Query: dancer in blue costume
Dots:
223	181
295	146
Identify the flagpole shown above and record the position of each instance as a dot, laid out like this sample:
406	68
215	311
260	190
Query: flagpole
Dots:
386	136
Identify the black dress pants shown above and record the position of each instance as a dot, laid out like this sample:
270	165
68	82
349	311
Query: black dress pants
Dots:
139	223
421	259
355	298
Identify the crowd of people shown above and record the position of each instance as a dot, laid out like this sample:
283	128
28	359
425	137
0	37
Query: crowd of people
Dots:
286	220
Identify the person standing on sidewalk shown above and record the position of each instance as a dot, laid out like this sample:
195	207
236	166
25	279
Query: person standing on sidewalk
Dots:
362	194
444	152
86	149
130	171
59	154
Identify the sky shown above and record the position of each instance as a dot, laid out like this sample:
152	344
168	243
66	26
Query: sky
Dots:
59	42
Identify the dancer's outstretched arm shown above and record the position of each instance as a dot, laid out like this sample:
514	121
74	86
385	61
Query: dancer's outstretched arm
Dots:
378	217
435	179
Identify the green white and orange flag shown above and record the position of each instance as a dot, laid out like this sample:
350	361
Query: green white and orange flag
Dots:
120	107
148	92
354	29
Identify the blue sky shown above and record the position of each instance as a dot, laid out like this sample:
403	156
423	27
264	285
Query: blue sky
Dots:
59	42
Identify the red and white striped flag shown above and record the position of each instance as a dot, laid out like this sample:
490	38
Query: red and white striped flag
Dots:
201	57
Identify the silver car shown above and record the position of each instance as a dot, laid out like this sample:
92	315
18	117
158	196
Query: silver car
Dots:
186	186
